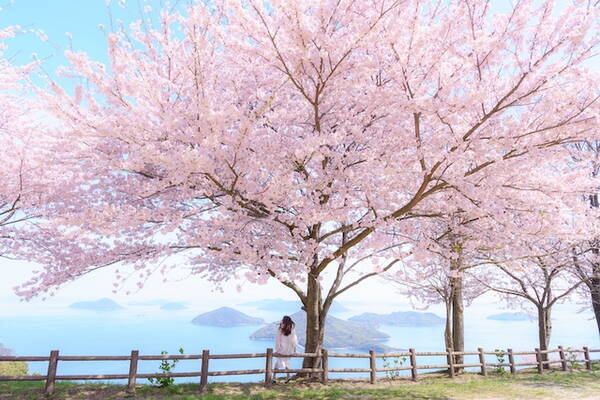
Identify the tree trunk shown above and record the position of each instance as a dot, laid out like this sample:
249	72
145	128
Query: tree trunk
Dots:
544	331
458	322
448	329
594	286
594	283
448	336
315	322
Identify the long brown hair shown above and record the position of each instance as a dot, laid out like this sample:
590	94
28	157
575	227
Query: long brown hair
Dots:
286	325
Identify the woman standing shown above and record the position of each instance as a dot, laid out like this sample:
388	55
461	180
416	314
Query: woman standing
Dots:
285	343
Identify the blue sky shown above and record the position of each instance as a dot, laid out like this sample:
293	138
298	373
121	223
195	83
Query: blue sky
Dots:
56	18
68	24
81	18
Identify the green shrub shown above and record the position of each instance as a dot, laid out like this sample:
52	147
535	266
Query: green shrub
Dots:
13	368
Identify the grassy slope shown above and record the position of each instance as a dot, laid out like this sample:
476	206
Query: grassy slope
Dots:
556	385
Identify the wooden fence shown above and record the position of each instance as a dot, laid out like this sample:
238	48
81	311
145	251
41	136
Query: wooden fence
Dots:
565	356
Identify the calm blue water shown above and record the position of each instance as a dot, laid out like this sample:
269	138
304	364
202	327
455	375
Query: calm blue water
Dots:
90	333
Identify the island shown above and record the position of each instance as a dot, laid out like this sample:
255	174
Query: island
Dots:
287	306
511	316
226	317
399	318
103	304
338	334
173	306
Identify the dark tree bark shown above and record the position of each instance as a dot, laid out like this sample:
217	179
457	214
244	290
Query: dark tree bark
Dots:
458	320
315	321
544	330
594	286
448	329
593	274
590	275
454	334
594	282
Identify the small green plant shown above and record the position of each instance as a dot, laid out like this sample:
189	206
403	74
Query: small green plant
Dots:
500	357
393	362
571	357
166	366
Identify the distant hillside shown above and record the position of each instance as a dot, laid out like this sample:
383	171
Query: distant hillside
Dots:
510	316
97	305
399	318
287	306
226	317
338	334
173	306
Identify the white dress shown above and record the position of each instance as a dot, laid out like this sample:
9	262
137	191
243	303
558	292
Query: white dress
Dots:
285	345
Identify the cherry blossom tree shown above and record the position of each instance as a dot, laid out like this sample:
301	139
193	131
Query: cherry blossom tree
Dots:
541	280
19	187
454	248
586	264
586	267
440	282
11	153
301	141
460	244
34	170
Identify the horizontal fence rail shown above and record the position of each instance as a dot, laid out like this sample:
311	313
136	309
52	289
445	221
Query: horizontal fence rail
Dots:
565	356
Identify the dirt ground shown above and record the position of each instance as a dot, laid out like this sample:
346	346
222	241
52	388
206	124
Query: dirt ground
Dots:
555	386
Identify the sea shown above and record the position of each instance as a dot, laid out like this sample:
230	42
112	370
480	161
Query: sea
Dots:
150	330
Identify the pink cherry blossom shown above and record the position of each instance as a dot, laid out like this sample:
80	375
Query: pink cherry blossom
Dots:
299	139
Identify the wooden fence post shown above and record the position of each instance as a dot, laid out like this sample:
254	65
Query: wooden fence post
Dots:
538	356
563	360
373	365
482	361
511	361
413	364
204	372
51	375
450	359
269	368
132	371
325	366
588	359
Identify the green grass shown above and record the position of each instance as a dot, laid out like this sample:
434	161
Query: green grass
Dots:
555	385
